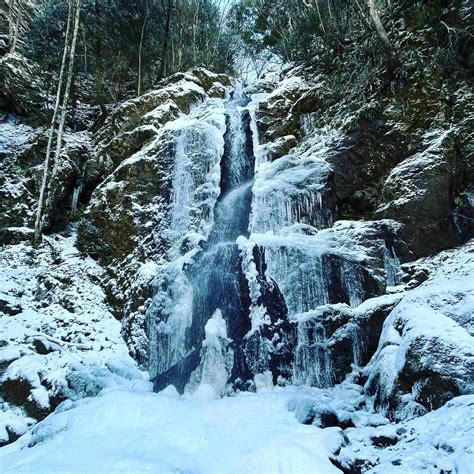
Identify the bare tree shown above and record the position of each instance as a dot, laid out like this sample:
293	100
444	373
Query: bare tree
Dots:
18	17
392	58
140	49
48	185
167	8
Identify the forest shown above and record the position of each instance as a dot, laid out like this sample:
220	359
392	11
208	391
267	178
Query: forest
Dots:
236	236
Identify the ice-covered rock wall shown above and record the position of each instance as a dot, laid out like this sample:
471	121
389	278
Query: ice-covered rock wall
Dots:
253	245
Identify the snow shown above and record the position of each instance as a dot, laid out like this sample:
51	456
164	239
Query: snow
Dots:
431	330
440	441
139	431
13	136
121	431
215	330
63	308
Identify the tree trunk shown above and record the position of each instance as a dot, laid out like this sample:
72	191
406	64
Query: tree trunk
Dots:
39	211
14	23
51	187
139	85
164	50
392	59
97	47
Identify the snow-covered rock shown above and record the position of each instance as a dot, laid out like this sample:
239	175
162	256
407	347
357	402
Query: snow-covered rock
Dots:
421	193
21	88
425	354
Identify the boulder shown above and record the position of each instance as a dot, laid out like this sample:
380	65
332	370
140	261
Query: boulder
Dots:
384	440
8	308
308	411
425	356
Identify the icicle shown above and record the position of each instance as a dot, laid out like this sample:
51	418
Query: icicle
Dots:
75	194
312	358
392	266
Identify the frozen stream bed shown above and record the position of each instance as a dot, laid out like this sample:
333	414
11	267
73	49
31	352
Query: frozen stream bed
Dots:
123	431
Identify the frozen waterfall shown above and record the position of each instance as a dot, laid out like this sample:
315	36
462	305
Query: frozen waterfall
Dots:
254	250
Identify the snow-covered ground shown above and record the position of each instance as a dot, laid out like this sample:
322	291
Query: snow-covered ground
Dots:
129	431
146	432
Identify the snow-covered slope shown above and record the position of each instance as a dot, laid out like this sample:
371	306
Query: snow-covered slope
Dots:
58	338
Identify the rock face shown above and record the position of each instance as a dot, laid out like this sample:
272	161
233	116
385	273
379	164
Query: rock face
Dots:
20	86
124	224
253	271
420	192
22	149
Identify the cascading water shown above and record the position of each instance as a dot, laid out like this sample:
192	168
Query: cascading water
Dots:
215	276
254	251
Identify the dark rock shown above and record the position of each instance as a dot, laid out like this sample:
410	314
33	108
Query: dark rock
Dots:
360	160
420	192
382	441
413	275
15	235
12	437
9	309
20	86
352	465
325	417
435	390
16	391
42	347
179	374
